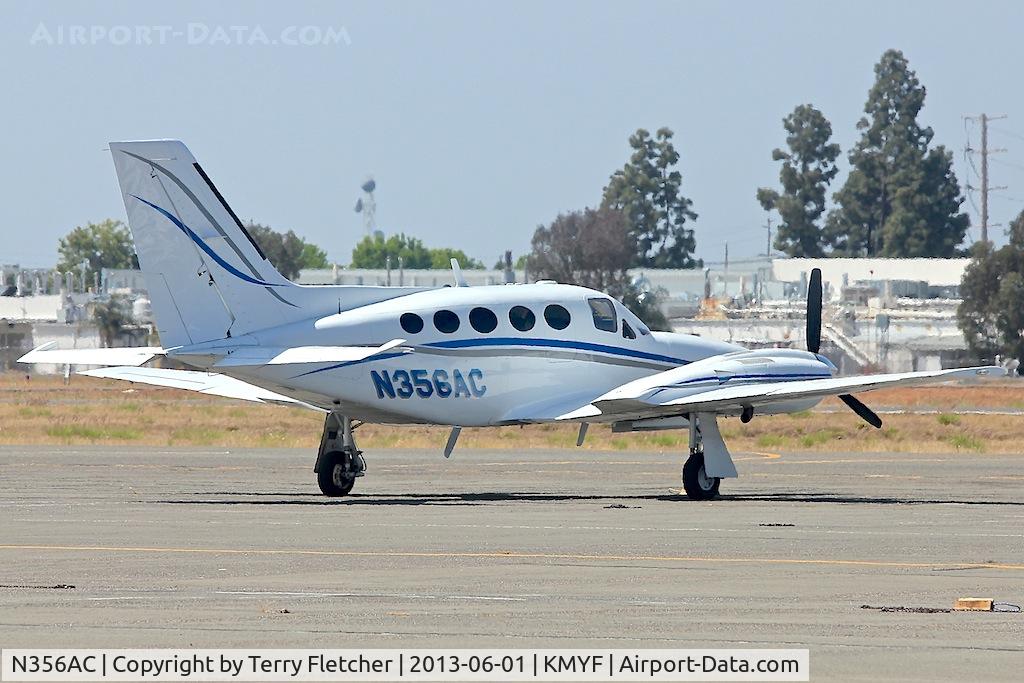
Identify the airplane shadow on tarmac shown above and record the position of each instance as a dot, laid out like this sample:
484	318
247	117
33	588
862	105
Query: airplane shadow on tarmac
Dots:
485	498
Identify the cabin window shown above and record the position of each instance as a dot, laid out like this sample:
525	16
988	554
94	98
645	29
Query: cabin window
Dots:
604	315
522	318
627	331
446	321
411	323
557	316
483	320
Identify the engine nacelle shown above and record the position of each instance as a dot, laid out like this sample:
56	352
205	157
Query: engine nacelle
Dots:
733	369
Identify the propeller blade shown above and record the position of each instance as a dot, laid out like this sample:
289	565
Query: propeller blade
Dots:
814	311
865	413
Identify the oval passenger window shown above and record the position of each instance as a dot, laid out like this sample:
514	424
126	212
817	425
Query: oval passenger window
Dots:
483	320
411	323
522	318
557	316
446	321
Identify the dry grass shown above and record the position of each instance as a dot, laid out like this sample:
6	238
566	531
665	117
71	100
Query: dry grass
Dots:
44	411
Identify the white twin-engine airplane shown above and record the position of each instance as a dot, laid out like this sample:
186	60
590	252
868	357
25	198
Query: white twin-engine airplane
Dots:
455	356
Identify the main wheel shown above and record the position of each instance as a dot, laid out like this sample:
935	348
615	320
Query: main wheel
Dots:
696	482
336	477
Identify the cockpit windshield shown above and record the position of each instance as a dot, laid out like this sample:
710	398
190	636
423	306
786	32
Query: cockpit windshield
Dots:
604	315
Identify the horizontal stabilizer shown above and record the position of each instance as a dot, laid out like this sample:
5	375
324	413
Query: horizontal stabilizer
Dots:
202	382
129	355
297	355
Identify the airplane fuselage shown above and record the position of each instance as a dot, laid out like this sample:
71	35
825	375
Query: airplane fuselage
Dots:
483	356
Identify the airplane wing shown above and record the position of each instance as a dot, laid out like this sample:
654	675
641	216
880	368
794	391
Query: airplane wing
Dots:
134	356
263	355
665	400
202	382
241	356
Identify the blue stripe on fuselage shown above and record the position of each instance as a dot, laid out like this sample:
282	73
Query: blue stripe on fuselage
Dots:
514	341
558	344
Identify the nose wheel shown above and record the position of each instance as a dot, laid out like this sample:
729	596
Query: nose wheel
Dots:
696	482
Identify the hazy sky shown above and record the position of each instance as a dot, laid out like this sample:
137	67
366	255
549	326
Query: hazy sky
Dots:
478	120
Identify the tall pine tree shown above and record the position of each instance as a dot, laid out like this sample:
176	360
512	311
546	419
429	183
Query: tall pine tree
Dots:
807	169
648	191
901	199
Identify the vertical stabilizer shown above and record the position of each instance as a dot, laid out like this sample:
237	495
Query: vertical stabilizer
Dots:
207	278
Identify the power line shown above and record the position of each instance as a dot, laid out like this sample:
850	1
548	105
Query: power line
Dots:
984	152
1002	162
1004	131
970	161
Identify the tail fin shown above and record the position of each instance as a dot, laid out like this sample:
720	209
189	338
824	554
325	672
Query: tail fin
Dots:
207	277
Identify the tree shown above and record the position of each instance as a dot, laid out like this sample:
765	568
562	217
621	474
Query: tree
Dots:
587	248
313	256
991	315
287	251
646	305
111	316
373	252
518	263
900	199
647	191
807	169
102	245
442	258
592	248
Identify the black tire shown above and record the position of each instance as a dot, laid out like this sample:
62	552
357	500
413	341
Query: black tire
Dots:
335	476
696	483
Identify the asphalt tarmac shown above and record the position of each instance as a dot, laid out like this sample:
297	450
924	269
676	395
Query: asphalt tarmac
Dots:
127	547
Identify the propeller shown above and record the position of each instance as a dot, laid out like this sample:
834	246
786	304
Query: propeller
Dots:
814	344
865	413
814	311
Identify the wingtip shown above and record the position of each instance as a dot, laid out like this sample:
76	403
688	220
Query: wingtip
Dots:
28	357
990	371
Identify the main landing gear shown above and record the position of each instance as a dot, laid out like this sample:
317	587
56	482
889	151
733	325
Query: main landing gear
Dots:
696	481
339	462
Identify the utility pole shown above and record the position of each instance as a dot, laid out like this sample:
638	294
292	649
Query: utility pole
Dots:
984	119
725	272
768	249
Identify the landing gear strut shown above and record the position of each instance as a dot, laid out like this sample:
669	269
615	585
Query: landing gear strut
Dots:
339	462
696	482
